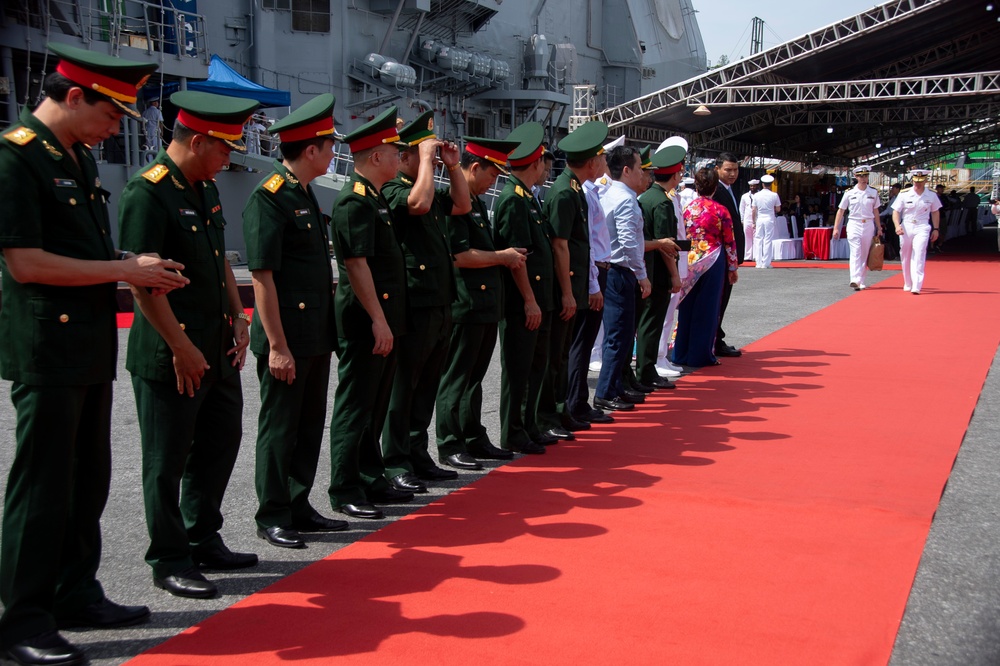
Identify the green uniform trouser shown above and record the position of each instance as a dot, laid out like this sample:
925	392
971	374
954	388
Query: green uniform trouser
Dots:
460	394
523	367
422	354
289	436
359	408
651	312
56	492
552	397
189	447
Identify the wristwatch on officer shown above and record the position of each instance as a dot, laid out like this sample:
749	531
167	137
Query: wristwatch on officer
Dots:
242	315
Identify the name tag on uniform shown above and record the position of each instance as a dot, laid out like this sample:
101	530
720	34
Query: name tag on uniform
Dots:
301	211
383	211
65	182
477	215
187	212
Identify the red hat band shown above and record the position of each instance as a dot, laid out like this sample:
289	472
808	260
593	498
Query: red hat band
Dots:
496	156
667	171
525	161
322	127
215	130
388	135
113	88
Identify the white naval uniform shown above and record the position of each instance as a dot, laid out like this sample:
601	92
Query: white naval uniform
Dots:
862	211
915	216
746	202
764	202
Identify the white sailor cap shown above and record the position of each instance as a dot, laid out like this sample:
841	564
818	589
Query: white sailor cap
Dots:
753	182
620	141
767	180
688	181
673	141
919	175
862	170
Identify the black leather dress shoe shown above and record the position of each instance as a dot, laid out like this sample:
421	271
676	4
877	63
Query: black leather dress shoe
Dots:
634	397
188	583
105	614
614	404
218	556
462	461
595	416
530	447
318	523
661	383
362	510
561	434
574	424
486	451
728	350
388	496
46	649
407	482
544	438
282	537
641	387
436	474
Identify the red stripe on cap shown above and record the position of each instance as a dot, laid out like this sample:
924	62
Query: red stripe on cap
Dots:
525	161
123	92
666	171
370	141
495	156
321	127
213	129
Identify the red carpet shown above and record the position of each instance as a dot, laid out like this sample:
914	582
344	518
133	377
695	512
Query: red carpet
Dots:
769	511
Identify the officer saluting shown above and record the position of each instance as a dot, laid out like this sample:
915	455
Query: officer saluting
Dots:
58	345
371	311
185	352
293	332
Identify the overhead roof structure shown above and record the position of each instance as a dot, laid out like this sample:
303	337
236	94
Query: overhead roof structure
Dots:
919	77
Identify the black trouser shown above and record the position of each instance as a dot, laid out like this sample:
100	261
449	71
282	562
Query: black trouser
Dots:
585	329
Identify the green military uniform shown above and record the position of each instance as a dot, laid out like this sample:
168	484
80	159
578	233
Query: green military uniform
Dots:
184	439
58	347
362	227
430	288
660	221
518	222
567	215
286	233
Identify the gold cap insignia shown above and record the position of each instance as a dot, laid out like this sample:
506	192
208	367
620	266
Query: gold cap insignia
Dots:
20	136
274	183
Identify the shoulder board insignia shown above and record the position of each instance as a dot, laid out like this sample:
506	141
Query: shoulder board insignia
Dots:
671	194
604	180
156	174
518	190
575	185
20	136
274	183
359	188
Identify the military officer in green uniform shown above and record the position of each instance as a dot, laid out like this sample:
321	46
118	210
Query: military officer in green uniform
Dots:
566	213
58	347
293	333
185	351
370	306
528	299
479	270
659	231
418	212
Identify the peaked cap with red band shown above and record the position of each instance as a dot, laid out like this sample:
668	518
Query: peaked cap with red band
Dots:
668	161
419	130
529	138
311	120
493	150
115	78
217	116
377	132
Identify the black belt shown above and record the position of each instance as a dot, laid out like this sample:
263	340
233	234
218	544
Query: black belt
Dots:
603	264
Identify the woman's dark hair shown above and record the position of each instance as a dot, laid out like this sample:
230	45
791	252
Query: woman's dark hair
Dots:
705	181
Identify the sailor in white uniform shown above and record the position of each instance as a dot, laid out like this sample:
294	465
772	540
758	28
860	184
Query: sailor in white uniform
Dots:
746	214
861	205
765	207
916	216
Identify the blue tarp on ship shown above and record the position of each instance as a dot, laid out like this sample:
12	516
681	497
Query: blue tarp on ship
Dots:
224	80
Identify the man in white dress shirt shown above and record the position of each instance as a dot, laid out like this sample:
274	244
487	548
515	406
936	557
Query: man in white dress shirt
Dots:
861	205
746	214
911	212
765	209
